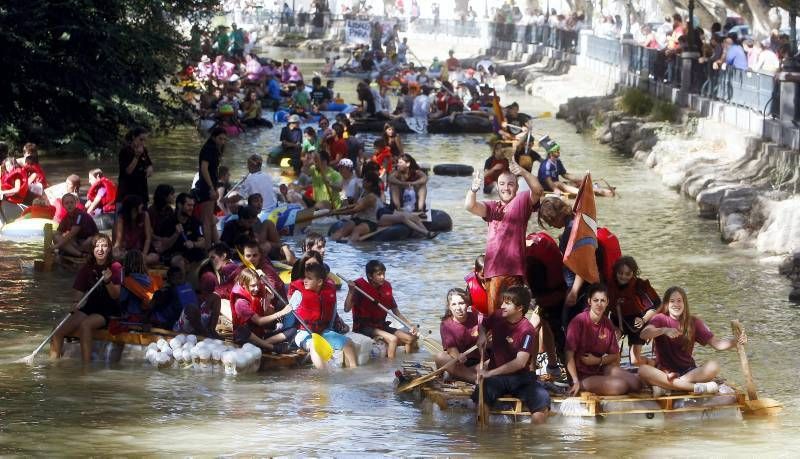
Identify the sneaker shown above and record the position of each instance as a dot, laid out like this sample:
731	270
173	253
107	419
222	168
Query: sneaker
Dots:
659	391
706	388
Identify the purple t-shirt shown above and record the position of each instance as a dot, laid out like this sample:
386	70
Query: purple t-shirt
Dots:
671	354
586	337
510	339
460	336
81	219
505	245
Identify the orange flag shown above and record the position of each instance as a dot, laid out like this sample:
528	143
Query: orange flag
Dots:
579	255
499	117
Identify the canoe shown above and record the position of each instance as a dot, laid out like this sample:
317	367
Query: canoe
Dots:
440	221
454	395
460	124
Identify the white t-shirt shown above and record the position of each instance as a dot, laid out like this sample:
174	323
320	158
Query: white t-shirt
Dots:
422	106
259	182
351	189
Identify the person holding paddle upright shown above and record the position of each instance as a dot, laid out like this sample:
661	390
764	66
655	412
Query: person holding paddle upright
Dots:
508	221
368	317
514	342
317	314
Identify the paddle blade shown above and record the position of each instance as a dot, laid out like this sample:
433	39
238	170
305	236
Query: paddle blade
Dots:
543	115
244	260
323	347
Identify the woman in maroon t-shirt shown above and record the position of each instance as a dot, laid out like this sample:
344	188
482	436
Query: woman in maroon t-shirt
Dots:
459	331
101	304
593	352
674	330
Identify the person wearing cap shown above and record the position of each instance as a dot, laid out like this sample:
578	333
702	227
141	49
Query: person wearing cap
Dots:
351	184
552	168
257	181
291	141
507	218
204	69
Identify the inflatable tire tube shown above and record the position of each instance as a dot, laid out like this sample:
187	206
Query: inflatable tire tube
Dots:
453	170
335	227
440	221
397	232
334	107
104	222
281	116
26	228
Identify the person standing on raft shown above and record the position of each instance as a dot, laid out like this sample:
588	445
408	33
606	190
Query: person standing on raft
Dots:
508	220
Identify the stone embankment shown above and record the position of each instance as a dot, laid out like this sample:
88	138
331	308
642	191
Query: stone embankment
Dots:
748	185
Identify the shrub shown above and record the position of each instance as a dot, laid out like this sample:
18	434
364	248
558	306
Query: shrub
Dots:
664	111
636	102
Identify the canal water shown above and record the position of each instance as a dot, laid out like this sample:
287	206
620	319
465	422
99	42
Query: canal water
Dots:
56	408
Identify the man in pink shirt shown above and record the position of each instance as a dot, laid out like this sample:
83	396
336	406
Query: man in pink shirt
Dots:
508	221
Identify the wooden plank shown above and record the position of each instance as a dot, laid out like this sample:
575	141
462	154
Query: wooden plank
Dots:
675	410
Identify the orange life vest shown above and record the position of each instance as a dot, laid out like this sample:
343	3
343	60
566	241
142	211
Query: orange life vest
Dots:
144	293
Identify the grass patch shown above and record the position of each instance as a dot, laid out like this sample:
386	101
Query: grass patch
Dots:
664	111
635	102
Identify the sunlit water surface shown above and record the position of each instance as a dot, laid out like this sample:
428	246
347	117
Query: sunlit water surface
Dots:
56	408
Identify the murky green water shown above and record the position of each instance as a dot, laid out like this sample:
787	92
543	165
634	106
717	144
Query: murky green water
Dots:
57	409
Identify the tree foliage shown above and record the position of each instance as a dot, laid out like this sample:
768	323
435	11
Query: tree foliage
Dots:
82	70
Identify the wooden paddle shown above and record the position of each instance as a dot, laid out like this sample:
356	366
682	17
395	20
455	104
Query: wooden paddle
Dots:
481	418
29	358
430	344
432	375
369	235
320	344
753	406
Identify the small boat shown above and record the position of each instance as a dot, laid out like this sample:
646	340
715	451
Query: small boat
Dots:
461	123
729	403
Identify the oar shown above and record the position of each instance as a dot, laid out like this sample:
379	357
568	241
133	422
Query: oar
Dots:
28	360
430	344
753	406
321	345
481	404
432	375
369	235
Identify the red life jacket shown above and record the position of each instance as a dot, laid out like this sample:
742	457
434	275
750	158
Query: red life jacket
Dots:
61	211
480	301
9	182
608	252
31	169
108	201
545	270
366	313
237	293
317	309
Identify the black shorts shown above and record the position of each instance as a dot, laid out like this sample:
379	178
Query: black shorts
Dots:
386	210
372	225
471	362
524	386
101	303
628	329
201	195
371	331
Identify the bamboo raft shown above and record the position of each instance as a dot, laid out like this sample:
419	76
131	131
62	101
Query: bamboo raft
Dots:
456	394
131	347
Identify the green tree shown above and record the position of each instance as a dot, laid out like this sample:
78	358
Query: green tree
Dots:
83	70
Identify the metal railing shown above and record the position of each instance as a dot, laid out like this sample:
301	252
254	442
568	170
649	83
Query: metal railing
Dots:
603	50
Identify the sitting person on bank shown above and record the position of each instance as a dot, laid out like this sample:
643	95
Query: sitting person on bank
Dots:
369	318
102	303
593	353
75	232
318	311
408	185
514	343
201	318
138	287
254	317
459	332
636	301
102	194
132	230
674	331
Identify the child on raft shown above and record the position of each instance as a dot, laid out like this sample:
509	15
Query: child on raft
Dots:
369	315
459	332
632	298
674	331
254	318
318	311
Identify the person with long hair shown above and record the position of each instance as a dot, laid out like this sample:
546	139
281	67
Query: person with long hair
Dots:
206	188
310	257
133	231
674	331
459	332
408	185
635	300
393	140
102	303
593	353
254	317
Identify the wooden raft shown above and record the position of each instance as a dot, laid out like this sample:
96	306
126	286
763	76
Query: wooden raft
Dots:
443	394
